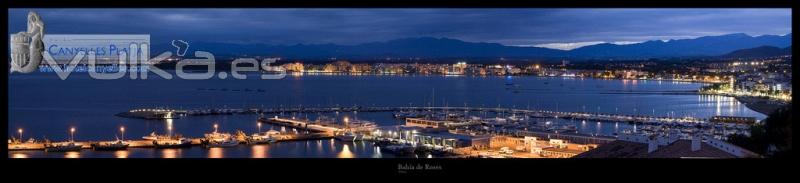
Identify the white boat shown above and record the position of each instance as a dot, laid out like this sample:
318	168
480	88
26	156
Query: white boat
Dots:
260	138
163	141
166	141
215	139
110	146
152	136
347	136
62	147
228	143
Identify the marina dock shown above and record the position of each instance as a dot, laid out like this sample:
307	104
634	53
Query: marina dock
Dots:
603	117
38	146
304	125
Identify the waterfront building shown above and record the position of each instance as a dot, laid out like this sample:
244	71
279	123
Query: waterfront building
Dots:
294	67
633	146
434	137
360	68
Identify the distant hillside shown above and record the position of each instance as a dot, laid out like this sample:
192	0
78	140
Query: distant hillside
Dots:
424	47
435	48
761	51
702	46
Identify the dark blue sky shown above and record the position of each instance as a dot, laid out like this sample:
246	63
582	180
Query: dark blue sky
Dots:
558	28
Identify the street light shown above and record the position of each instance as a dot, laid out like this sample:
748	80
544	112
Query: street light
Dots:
122	130
259	127
215	127
72	134
20	134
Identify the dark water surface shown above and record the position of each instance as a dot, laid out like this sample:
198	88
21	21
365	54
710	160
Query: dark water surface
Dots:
46	106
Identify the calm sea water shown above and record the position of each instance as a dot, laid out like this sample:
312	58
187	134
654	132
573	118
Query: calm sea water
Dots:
46	106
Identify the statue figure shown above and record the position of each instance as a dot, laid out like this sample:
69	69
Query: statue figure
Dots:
27	47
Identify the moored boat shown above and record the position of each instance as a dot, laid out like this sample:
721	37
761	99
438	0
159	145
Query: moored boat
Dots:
215	139
110	146
346	136
260	138
164	141
62	147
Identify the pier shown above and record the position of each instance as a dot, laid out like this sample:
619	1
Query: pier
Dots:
304	125
603	117
40	146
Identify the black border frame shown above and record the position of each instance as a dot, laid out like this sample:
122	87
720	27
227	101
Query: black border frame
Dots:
527	170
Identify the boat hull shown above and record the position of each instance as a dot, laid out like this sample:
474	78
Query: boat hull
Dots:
177	145
227	144
98	147
268	141
62	149
345	138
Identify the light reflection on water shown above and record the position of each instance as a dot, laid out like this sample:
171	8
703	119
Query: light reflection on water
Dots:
259	151
723	105
345	153
551	97
169	153
72	155
377	152
216	152
19	155
121	154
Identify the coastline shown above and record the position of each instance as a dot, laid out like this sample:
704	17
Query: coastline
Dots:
761	105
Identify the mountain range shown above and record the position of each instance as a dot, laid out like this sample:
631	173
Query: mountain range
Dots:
761	51
437	48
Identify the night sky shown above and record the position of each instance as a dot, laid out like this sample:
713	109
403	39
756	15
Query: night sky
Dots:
554	28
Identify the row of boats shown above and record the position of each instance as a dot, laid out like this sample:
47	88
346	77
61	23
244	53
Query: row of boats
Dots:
210	140
405	149
15	144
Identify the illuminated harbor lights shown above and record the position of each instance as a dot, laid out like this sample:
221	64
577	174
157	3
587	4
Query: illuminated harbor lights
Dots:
20	133
72	134
122	131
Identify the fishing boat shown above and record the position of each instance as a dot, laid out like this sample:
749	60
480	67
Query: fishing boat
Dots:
258	138
110	146
172	143
347	136
62	147
18	144
165	141
219	140
152	136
